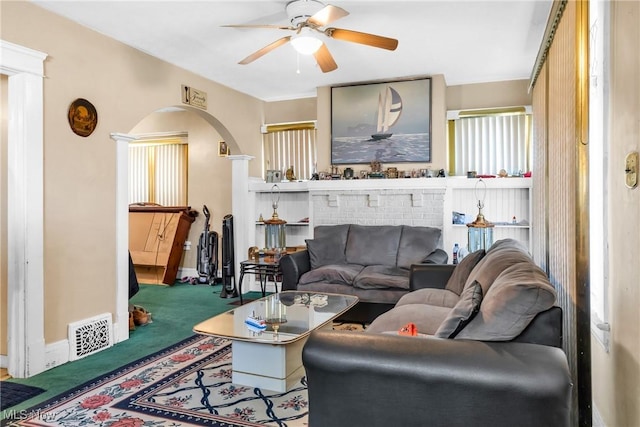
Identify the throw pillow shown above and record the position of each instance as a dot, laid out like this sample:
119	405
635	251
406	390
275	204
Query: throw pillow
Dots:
462	313
324	252
515	298
461	272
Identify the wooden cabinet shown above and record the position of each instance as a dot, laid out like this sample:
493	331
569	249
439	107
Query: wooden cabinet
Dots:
156	239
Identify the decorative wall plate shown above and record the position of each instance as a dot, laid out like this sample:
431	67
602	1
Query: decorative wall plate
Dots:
83	117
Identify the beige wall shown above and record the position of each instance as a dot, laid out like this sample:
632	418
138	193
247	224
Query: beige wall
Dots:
4	83
616	375
125	85
297	110
488	95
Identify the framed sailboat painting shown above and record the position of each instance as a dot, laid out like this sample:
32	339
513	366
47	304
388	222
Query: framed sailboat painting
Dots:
385	122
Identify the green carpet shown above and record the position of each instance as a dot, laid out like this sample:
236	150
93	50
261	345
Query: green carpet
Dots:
174	311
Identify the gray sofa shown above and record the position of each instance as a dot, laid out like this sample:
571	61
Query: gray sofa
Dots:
371	262
487	352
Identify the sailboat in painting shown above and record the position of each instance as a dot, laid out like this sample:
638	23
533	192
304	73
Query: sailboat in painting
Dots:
389	110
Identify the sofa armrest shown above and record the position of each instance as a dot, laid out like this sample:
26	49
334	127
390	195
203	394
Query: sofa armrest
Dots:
436	257
293	266
430	276
384	380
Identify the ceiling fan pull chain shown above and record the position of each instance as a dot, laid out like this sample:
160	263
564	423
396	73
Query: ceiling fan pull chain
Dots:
298	63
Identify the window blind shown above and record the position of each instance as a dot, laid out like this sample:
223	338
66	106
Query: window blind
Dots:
290	145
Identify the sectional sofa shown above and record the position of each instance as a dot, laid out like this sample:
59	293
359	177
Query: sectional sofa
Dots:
486	352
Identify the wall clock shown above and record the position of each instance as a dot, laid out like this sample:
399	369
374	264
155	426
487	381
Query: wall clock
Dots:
83	117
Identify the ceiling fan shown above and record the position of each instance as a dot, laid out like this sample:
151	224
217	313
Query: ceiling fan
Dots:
308	17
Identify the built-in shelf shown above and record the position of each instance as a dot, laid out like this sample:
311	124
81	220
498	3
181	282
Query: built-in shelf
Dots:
504	198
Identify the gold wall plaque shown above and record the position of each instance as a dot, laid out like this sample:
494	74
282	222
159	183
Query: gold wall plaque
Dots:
194	97
83	117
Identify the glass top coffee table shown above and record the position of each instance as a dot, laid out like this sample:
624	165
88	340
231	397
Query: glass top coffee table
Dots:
268	334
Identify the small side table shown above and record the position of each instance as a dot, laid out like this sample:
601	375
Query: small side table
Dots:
262	268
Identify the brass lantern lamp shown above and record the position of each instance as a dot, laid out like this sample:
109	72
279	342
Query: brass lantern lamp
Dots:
275	231
480	231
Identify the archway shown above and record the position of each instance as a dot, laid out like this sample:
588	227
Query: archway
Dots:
121	331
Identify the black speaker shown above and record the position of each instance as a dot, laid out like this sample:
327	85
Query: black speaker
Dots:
228	270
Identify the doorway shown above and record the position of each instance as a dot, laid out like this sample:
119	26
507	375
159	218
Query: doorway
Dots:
23	250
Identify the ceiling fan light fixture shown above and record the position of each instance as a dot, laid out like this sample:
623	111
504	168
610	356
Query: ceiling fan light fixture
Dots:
306	44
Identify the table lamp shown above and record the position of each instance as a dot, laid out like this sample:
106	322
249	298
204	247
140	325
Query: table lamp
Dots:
275	232
480	231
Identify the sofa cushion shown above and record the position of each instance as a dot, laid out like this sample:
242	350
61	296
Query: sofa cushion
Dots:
381	277
463	269
338	232
426	317
332	273
431	296
462	313
506	253
509	244
328	245
517	296
373	244
416	243
323	252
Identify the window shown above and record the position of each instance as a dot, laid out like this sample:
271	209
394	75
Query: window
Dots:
486	141
598	201
158	166
286	145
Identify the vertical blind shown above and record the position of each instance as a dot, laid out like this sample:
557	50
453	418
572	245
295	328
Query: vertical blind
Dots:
487	144
287	145
557	199
158	171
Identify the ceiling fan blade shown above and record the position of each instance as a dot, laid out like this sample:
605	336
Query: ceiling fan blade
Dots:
268	48
362	38
277	27
324	59
327	15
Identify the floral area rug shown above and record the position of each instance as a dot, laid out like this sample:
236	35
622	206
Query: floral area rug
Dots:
188	384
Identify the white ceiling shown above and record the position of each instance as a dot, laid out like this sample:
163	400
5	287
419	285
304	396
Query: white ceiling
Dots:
468	41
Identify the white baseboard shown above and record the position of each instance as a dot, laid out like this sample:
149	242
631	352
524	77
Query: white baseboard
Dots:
56	354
